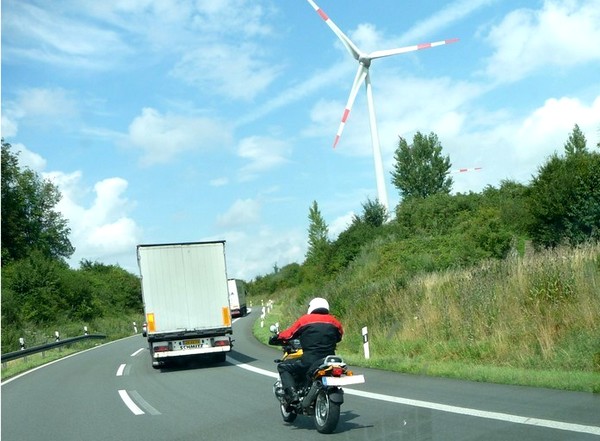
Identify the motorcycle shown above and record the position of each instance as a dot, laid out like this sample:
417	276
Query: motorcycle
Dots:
320	392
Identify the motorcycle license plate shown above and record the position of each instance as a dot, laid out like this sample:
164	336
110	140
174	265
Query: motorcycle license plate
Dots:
343	381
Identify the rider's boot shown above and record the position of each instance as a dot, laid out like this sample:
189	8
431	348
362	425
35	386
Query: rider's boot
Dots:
292	395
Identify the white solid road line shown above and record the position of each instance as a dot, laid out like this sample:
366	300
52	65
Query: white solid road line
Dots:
255	369
479	413
129	403
594	430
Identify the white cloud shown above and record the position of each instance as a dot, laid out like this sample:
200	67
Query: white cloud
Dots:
10	127
241	213
39	102
45	106
402	106
320	79
163	137
240	16
219	182
263	154
560	34
250	255
49	36
115	237
547	129
233	71
103	231
369	38
512	147
340	224
29	159
445	17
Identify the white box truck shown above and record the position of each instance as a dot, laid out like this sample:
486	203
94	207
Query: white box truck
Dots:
237	297
186	300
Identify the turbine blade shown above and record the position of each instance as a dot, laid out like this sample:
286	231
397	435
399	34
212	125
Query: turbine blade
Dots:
361	73
416	47
354	51
464	170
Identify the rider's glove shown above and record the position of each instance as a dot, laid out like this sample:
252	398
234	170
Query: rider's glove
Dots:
274	340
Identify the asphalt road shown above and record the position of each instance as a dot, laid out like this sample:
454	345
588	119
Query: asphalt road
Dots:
113	393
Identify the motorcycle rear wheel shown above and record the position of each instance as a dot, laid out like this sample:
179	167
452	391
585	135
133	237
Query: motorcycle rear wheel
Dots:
327	413
287	416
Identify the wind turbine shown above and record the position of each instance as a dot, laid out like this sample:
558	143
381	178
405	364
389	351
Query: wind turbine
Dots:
362	74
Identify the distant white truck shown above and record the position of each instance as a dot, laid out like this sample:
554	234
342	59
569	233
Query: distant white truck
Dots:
237	297
186	300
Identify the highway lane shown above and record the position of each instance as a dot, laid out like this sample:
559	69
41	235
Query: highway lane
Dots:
79	399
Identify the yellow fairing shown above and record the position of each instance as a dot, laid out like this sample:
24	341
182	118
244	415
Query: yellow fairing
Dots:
292	355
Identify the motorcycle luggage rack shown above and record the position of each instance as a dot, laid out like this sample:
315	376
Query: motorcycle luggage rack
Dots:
333	360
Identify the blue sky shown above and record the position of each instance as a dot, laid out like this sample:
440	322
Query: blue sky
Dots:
178	120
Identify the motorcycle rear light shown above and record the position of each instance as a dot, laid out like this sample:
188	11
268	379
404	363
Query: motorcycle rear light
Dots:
337	371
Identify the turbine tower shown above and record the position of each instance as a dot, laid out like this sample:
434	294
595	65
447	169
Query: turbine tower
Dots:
362	74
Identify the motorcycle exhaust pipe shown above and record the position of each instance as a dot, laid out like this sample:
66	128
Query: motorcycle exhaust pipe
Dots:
311	395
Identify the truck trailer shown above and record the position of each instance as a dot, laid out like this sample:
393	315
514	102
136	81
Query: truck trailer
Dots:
237	297
186	300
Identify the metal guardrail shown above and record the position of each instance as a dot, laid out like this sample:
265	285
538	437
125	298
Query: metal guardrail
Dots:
34	350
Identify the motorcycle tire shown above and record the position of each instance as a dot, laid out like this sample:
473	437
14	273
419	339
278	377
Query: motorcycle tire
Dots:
327	413
288	416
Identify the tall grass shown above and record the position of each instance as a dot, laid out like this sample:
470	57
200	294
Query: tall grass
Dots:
518	319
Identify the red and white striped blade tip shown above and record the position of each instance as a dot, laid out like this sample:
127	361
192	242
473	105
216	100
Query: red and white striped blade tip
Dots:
463	170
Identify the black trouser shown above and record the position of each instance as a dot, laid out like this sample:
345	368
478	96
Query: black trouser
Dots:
293	372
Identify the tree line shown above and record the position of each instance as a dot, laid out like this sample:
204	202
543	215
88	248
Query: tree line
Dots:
434	230
38	286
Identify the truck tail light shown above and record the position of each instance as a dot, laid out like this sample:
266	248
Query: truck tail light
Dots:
161	348
221	342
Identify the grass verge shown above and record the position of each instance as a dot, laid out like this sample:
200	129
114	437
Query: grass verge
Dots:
351	350
114	329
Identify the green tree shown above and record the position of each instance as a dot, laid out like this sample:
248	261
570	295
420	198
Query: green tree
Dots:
576	142
349	243
113	288
364	228
420	169
436	215
33	285
29	221
511	201
564	200
374	214
318	242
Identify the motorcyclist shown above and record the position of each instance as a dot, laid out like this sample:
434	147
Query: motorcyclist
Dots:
318	332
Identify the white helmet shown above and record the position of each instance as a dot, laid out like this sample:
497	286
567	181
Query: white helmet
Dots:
318	303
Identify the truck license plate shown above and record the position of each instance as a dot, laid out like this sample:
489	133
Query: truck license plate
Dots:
192	343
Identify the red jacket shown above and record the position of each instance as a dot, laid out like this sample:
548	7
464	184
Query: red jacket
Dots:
318	334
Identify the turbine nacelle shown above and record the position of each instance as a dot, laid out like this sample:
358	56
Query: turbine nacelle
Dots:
365	60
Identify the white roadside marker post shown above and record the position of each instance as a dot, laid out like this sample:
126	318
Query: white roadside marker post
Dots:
365	336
